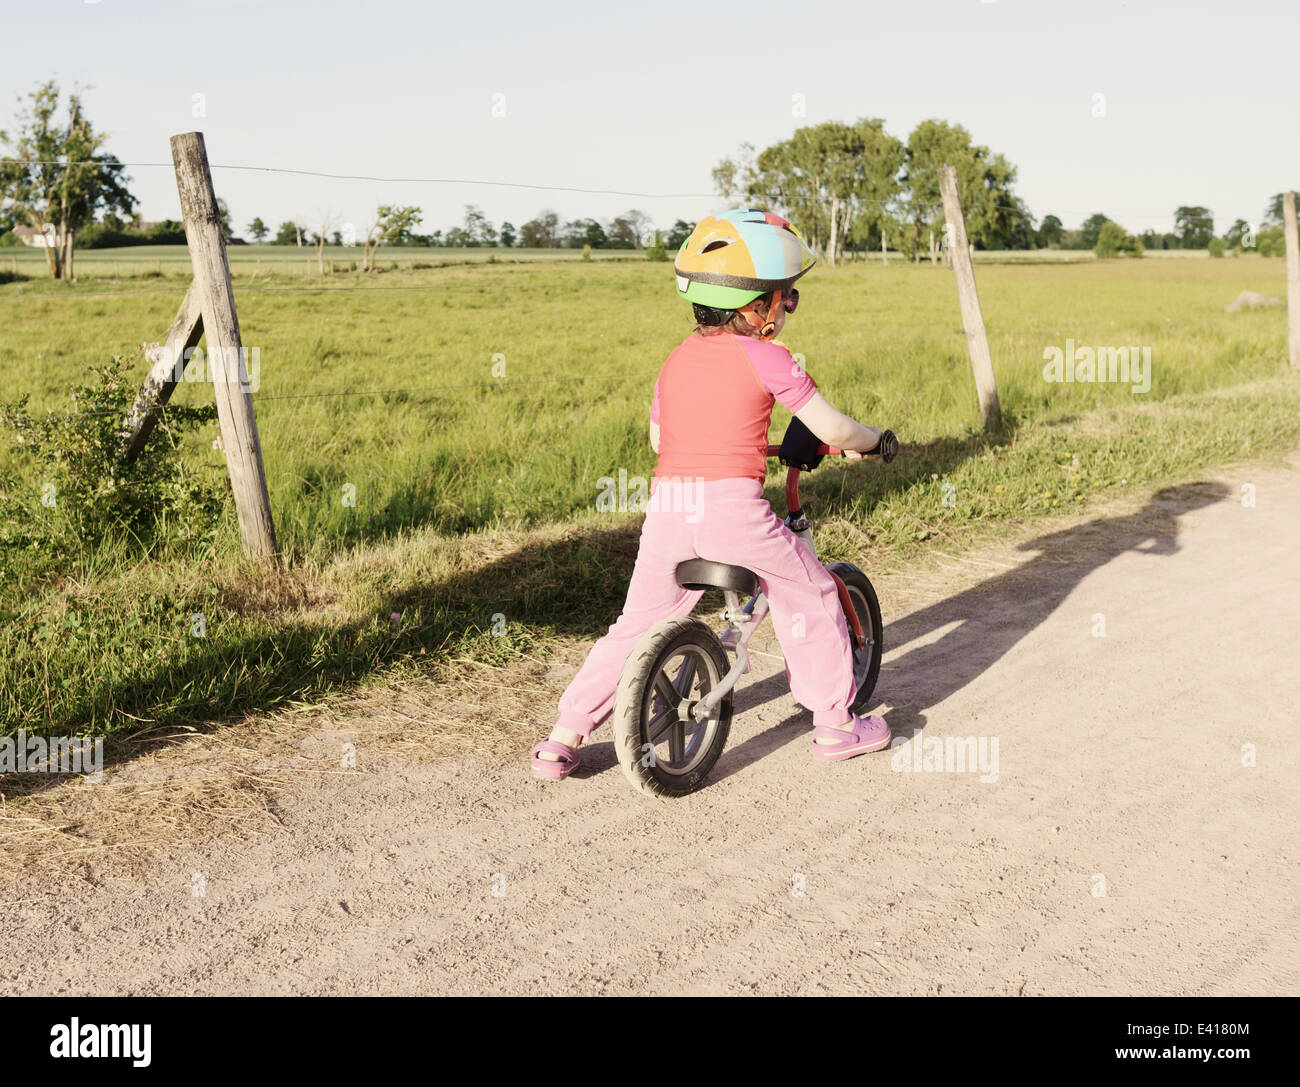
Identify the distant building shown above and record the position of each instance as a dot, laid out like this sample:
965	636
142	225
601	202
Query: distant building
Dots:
29	235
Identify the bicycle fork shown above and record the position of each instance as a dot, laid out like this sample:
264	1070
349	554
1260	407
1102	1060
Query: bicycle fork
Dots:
742	624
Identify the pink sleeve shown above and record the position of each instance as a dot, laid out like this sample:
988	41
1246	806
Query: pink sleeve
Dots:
654	405
779	374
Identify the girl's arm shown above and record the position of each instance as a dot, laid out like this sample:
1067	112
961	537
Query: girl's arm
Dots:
835	428
654	436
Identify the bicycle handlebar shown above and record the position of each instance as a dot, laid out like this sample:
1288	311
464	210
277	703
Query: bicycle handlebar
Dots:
886	448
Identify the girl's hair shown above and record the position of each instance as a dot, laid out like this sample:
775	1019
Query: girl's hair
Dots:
737	322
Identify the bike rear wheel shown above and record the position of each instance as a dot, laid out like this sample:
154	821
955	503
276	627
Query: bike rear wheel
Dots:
662	748
866	660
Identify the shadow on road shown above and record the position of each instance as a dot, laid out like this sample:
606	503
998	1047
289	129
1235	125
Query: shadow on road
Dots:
986	620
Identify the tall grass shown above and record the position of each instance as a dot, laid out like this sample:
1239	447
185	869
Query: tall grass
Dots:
576	349
458	445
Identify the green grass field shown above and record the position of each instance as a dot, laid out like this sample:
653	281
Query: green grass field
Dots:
385	383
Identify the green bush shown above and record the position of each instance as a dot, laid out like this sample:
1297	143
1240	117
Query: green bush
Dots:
78	493
656	252
103	236
10	240
1217	247
1271	242
1114	240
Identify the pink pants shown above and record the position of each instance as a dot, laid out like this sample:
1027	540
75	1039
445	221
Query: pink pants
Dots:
726	520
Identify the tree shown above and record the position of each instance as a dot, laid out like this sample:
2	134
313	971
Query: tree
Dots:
532	235
1010	225
833	180
258	230
1049	233
476	225
326	222
288	234
1238	235
59	178
983	183
678	233
1273	213
395	223
542	232
623	234
1154	239
223	211
583	232
1194	227
1270	242
640	224
1092	228
508	234
732	177
1112	240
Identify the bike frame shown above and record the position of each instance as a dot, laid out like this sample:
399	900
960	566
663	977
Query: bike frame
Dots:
743	621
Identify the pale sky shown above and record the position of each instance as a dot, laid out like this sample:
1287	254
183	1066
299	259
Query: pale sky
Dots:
1200	100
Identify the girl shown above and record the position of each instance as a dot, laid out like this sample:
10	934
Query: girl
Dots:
708	424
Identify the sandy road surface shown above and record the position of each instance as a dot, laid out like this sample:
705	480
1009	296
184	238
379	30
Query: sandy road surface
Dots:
1124	846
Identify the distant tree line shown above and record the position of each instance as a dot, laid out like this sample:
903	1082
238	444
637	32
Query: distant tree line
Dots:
1193	229
396	225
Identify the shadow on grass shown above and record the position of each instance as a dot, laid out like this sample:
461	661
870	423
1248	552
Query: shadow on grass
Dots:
570	586
868	482
573	586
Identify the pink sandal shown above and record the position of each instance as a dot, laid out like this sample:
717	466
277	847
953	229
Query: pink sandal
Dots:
554	771
869	734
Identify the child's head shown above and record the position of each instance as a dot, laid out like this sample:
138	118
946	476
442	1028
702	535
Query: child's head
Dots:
735	265
710	321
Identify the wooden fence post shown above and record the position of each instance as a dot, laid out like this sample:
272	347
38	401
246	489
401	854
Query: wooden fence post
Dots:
972	319
1292	277
226	360
169	361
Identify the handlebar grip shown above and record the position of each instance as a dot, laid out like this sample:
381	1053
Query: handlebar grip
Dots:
887	448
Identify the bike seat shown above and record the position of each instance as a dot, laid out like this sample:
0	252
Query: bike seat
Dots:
706	574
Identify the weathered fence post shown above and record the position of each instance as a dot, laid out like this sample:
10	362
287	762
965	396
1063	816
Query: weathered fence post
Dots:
884	250
977	342
216	300
169	359
1292	277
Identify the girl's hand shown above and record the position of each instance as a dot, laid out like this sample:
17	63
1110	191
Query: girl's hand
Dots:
852	454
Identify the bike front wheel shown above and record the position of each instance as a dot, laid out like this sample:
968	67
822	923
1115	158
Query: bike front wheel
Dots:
663	749
866	659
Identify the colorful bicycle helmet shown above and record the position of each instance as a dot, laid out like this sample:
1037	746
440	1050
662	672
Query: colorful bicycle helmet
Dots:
739	255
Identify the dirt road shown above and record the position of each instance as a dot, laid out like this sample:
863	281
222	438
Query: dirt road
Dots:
1136	677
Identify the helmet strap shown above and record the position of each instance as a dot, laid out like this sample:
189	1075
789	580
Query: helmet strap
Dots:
766	328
